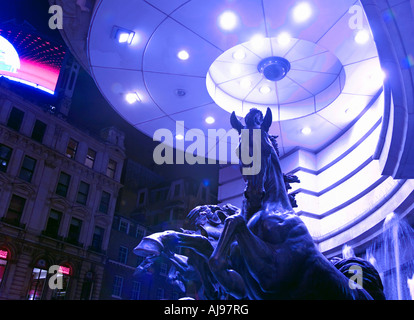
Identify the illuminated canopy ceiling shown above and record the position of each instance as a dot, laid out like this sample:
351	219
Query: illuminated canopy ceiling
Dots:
159	62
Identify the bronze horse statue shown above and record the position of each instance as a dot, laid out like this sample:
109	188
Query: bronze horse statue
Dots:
272	254
264	250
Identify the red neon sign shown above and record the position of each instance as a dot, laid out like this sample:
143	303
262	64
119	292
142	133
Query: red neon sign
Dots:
3	254
64	270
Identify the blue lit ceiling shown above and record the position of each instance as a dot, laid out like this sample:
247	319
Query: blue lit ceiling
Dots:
182	65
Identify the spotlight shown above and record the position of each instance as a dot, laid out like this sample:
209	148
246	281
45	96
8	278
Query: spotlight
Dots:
283	39
302	12
123	35
306	131
183	55
362	36
179	137
132	97
265	90
258	41
210	120
228	20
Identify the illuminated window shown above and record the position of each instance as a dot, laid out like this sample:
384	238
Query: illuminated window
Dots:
27	169
37	281
74	231
71	148
5	155
39	130
104	204
110	170
117	286
123	254
90	158
53	224
15	211
63	278
63	184
15	119
136	290
83	191
4	256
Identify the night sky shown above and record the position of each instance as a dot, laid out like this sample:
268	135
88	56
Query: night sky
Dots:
90	111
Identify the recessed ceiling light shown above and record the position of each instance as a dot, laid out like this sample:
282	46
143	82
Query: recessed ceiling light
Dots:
302	12
228	20
306	131
362	36
123	35
179	137
210	120
132	97
245	83
235	70
265	90
239	54
283	39
258	41
183	55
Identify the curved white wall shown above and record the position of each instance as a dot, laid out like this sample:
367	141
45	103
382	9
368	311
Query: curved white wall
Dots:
343	198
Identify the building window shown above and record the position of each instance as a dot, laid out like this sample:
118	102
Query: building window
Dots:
39	130
53	223
74	231
110	170
90	158
4	256
87	287
97	238
63	184
160	294
140	233
141	198
117	286
5	155
15	119
123	226
27	169
15	211
136	290
104	204
83	192
123	254
71	148
37	281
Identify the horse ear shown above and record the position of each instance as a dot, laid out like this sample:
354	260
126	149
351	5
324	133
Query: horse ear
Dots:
267	121
235	123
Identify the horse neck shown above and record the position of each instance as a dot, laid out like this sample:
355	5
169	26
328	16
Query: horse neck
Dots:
275	187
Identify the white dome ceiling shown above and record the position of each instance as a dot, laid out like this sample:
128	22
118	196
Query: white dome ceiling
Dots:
332	77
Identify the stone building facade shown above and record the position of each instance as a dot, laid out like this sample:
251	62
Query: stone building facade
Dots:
58	190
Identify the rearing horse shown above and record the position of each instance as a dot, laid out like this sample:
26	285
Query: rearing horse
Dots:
271	253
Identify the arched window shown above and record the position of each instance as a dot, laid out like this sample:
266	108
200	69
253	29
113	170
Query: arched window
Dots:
4	257
38	280
64	274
